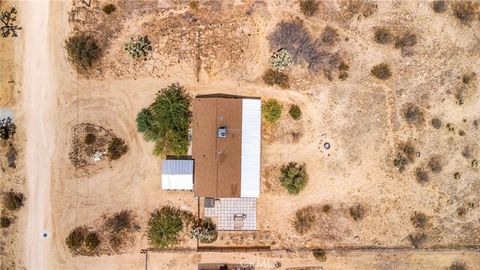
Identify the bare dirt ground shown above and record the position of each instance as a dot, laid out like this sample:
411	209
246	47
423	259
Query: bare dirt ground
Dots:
222	48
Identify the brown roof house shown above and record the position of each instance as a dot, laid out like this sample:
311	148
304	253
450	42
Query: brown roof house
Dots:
224	169
226	143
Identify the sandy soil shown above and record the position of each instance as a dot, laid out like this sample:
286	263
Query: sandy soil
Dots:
361	118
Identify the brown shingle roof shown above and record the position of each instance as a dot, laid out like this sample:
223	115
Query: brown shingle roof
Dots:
217	160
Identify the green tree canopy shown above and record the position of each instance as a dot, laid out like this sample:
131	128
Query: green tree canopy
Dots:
164	226
167	120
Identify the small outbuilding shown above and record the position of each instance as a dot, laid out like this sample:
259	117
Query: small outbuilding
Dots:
177	174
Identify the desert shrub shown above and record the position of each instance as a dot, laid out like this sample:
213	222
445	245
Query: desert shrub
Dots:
277	265
468	151
11	156
193	5
13	200
304	219
109	8
319	254
400	162
417	239
90	139
381	71
343	71
7	129
383	36
75	239
309	7
457	175
295	38
275	77
119	221
461	211
167	120
461	132
467	78
204	230
295	112
413	114
439	6
435	164
458	266
5	222
465	11
421	175
272	110
164	227
117	148
474	163
408	150
419	220
329	35
280	60
436	123
92	241
139	47
293	177
82	50
326	208
357	212
406	40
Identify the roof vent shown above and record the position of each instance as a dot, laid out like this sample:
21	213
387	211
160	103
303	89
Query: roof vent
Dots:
222	132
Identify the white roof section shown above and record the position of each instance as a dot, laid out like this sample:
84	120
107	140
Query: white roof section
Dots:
6	113
177	174
251	137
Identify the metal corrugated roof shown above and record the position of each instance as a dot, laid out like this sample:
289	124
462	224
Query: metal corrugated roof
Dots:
177	174
251	137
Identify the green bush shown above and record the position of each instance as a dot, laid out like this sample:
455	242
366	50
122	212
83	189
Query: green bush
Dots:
309	7
167	120
117	148
280	60
13	200
139	47
109	8
92	241
204	230
75	239
164	227
293	177
5	222
275	77
295	112
82	50
320	255
381	71
272	110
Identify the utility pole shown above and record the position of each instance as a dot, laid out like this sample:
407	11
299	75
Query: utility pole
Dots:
145	251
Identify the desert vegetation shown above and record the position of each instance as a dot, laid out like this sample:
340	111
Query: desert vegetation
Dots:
295	112
272	111
280	60
165	226
293	177
5	222
305	219
167	120
83	50
465	10
138	47
419	220
457	266
381	71
439	6
276	77
357	212
417	239
309	7
413	114
12	200
319	254
7	129
204	230
383	36
8	18
109	9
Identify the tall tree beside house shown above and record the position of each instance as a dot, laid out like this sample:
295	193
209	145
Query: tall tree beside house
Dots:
167	120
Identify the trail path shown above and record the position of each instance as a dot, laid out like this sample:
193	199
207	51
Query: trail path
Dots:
39	104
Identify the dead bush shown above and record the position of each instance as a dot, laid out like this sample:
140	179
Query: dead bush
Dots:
117	148
457	175
295	38
383	36
309	7
468	78
405	40
458	266
400	162
436	123
83	50
413	114
330	36
417	239
304	219
439	6
119	221
408	150
75	239
357	212
461	211
464	11
326	208
11	156
275	77
421	175
5	222
90	138
419	220
468	151
13	200
435	164
381	71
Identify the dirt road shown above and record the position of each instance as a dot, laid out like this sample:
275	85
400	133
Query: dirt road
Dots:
39	104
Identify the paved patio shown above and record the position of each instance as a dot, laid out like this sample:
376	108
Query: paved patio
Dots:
234	214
